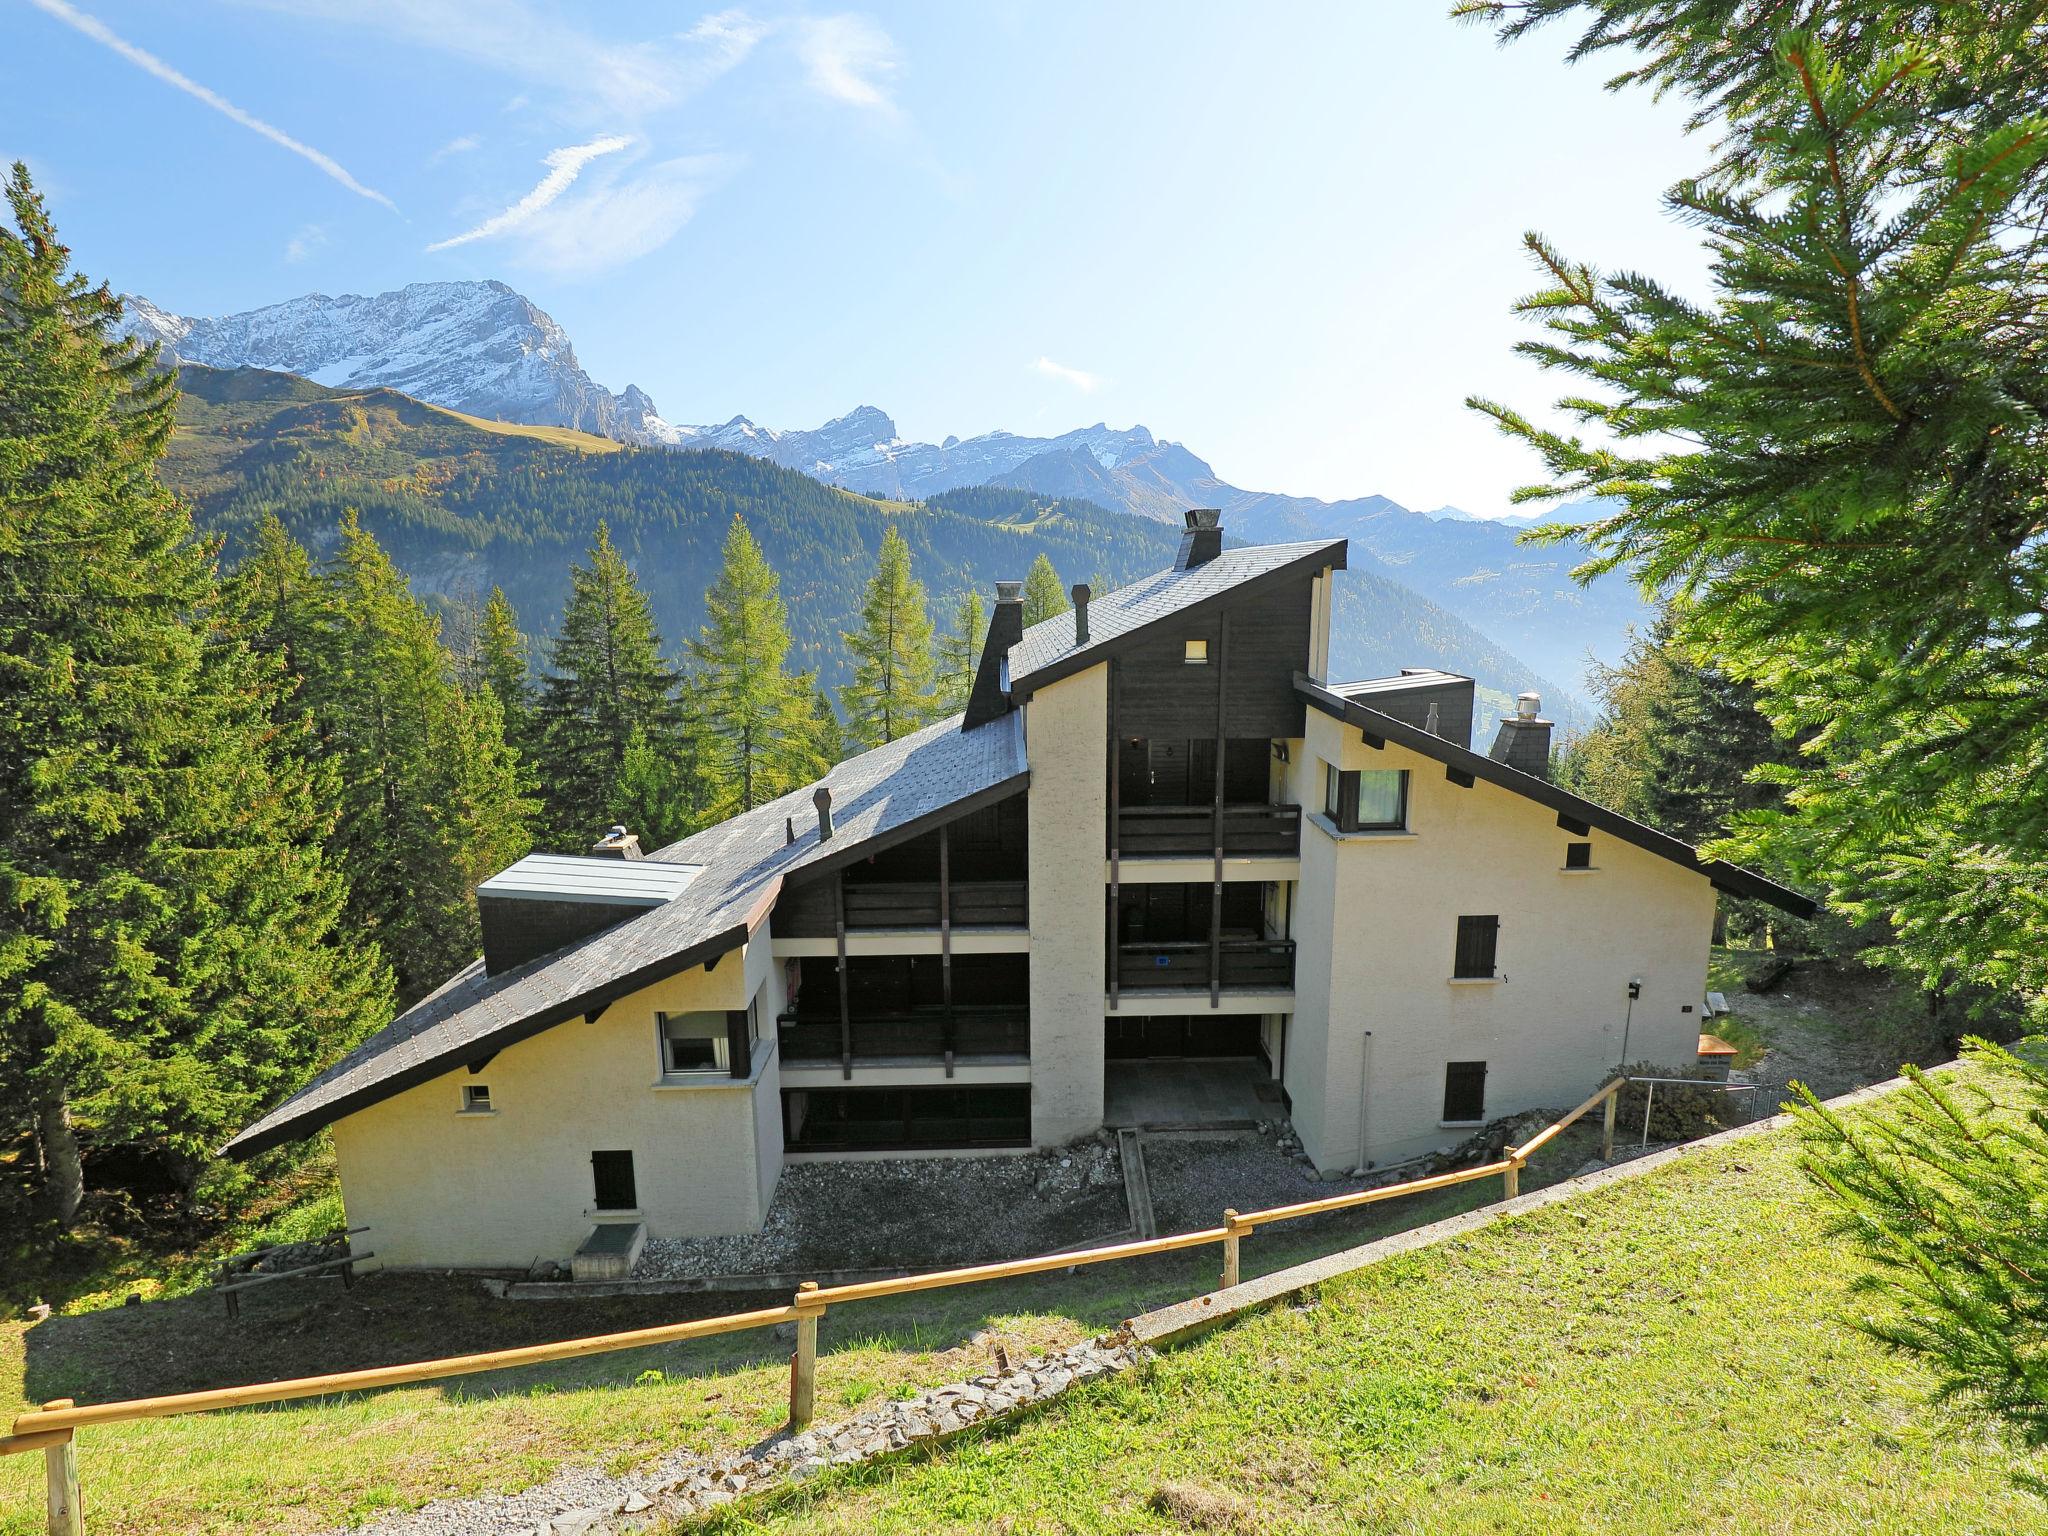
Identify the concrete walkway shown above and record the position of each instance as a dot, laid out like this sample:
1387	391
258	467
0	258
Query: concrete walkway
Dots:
1187	1095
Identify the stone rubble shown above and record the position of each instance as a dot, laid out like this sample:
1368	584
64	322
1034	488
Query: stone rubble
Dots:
585	1502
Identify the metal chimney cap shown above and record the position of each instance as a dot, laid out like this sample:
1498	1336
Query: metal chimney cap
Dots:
1009	591
616	829
1528	705
1204	517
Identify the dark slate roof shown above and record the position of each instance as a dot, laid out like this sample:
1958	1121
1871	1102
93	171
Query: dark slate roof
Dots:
879	797
1378	727
1048	652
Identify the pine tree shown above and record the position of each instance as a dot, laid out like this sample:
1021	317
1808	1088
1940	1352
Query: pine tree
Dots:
606	680
1044	597
959	653
1839	461
752	712
171	951
654	795
891	694
1939	1187
817	739
431	800
504	665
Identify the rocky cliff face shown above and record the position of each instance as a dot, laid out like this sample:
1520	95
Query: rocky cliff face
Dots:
478	347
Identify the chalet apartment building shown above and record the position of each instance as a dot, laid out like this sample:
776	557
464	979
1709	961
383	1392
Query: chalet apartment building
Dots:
1158	831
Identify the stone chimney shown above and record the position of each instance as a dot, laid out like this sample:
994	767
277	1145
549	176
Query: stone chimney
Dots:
1524	739
989	700
1081	596
1203	539
617	843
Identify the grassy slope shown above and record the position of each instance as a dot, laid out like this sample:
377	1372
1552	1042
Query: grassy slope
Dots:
1661	1356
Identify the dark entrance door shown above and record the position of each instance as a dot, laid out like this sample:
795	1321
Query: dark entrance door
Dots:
1175	1037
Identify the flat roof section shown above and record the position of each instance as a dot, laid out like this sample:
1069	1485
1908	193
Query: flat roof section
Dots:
566	877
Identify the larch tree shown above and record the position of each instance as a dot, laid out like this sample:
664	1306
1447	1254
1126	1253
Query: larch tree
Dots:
892	691
172	954
607	679
1044	597
959	653
751	712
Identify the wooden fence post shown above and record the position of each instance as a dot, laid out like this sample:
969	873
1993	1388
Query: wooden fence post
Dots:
60	1472
1511	1177
1231	1234
803	1366
1607	1125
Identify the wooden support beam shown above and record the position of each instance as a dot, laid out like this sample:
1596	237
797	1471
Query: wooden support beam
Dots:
950	1028
845	1006
803	1365
1116	777
1216	812
485	1060
1460	777
60	1480
1377	743
1573	825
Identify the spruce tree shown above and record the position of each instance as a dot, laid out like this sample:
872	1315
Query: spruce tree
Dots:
504	665
606	679
171	951
1044	597
817	739
753	714
959	653
891	694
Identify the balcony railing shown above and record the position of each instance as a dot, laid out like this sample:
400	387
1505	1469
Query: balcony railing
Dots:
919	1033
807	912
1177	831
1258	965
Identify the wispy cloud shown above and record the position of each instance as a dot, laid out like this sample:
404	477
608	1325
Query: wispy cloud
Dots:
459	146
564	166
592	74
99	32
849	59
1080	378
310	238
627	214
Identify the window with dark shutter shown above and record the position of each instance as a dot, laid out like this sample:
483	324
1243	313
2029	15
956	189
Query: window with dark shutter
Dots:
611	1176
1478	938
1464	1092
1578	855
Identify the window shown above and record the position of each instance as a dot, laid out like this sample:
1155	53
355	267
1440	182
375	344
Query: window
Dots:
1197	654
693	1042
1478	938
611	1178
1578	855
476	1099
1372	800
1464	1092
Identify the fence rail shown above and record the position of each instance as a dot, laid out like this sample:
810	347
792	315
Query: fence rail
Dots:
52	1428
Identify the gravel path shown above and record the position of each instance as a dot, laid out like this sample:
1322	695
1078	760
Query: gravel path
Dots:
914	1213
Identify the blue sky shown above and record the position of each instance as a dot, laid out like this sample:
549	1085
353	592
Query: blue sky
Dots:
1286	236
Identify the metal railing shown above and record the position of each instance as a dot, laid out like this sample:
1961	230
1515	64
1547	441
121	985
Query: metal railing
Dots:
1262	965
52	1428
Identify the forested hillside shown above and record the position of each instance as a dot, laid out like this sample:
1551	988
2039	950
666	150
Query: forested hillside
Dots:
463	505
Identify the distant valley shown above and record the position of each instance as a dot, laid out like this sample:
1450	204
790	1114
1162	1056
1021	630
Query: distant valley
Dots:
483	349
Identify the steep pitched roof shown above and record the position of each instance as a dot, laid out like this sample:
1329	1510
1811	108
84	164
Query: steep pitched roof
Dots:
1048	651
1378	727
879	797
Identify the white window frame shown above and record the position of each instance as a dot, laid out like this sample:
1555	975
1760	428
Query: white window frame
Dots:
476	1100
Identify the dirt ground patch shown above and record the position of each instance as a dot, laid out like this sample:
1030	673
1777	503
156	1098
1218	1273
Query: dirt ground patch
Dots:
1833	1025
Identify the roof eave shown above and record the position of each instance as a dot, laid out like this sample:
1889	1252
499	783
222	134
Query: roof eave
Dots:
1732	878
1332	556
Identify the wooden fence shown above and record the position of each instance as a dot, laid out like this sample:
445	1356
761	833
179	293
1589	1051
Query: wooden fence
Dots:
52	1428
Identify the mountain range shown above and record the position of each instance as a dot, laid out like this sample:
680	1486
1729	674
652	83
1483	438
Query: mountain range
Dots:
484	349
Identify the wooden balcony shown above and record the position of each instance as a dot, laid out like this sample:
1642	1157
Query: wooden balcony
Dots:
807	912
919	1034
1182	831
1247	965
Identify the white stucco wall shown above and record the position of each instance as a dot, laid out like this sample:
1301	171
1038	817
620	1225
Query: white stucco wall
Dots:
440	1187
1376	924
1066	729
